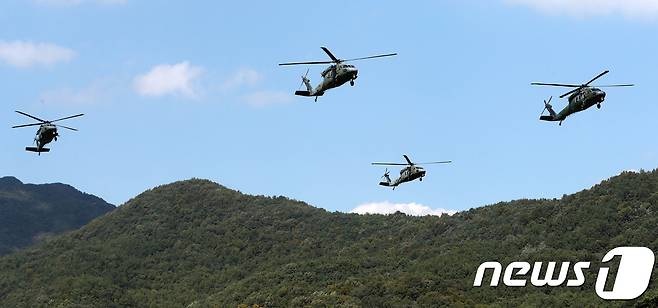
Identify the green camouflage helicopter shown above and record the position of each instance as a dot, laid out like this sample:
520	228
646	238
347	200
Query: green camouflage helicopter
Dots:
410	172
47	131
333	76
580	98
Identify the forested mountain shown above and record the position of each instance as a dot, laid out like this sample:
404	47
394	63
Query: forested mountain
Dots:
197	244
30	213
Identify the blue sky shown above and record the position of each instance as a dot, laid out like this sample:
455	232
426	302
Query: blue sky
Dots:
186	89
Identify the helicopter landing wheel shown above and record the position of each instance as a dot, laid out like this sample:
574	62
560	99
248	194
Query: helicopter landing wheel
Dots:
421	179
598	106
352	82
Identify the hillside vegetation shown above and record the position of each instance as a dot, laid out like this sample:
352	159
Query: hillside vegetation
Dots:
195	243
29	213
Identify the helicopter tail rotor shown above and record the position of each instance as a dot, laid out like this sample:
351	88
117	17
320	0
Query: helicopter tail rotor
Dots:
553	116
547	104
304	78
309	88
549	107
386	178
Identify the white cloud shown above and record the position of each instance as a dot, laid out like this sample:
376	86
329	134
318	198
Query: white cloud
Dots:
78	2
247	77
386	207
28	54
266	98
242	77
167	79
643	9
94	93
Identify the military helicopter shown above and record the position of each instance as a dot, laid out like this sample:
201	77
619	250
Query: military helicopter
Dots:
334	76
409	173
580	98
47	131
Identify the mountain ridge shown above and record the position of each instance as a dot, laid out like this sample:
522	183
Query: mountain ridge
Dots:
198	243
31	212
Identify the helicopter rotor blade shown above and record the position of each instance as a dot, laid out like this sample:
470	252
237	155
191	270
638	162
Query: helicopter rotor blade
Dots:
331	55
570	92
304	63
435	162
389	164
31	116
597	77
71	128
69	117
408	160
26	125
336	60
556	85
372	57
603	86
615	85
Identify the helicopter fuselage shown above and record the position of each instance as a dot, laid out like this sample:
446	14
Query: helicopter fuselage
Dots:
580	101
335	76
411	173
408	174
46	134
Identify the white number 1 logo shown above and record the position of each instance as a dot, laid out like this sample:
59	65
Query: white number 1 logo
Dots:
633	274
